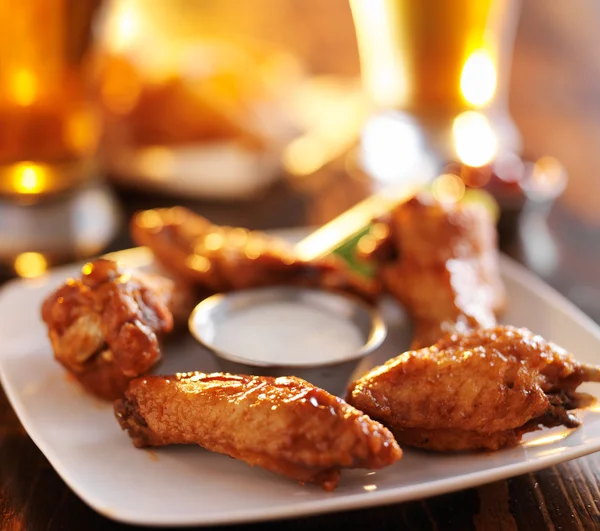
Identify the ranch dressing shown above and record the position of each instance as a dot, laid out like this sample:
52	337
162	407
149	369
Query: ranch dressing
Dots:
287	333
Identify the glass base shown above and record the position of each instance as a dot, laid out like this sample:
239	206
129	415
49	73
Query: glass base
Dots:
398	147
66	227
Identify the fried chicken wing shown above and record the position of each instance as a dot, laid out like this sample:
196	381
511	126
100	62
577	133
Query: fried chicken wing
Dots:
104	327
441	262
220	259
480	390
284	425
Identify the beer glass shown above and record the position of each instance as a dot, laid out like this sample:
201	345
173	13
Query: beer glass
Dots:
51	207
48	128
437	74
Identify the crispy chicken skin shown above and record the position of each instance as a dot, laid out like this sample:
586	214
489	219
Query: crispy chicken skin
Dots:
219	259
284	425
440	261
104	326
480	390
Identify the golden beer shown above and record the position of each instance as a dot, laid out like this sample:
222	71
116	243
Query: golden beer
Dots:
444	63
48	130
430	53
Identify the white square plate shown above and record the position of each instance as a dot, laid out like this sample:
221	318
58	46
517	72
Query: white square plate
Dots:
190	486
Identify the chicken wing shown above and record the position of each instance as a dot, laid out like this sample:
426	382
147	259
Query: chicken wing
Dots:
284	425
441	262
104	327
220	259
480	390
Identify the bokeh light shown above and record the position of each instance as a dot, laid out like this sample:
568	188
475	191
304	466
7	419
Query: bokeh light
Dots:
475	142
30	265
448	188
23	87
548	175
478	79
29	178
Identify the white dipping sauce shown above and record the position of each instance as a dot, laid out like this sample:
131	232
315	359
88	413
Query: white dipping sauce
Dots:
287	333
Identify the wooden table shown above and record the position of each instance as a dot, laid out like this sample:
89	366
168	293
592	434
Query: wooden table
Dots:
33	497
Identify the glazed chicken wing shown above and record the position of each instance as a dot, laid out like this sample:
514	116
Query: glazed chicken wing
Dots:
480	390
104	327
441	262
285	425
220	259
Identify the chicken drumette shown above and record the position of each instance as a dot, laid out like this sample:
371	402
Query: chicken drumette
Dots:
219	259
285	425
104	327
480	390
441	262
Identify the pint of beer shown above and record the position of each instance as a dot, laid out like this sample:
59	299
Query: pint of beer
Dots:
48	130
436	59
